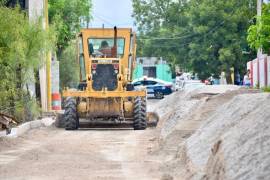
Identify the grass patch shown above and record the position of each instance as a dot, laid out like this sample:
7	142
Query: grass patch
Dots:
266	89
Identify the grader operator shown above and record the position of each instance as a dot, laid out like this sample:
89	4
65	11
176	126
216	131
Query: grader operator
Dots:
105	94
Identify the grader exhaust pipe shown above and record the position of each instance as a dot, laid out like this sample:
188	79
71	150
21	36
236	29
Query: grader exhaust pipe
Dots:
114	49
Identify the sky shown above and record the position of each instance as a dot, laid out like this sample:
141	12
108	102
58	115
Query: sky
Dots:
112	13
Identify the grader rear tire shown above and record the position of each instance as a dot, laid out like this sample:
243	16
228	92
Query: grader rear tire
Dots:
139	112
70	115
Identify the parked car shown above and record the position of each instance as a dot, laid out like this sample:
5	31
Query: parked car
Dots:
155	87
193	84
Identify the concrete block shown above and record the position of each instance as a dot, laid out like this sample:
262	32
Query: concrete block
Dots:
47	121
36	124
13	133
20	130
3	133
23	128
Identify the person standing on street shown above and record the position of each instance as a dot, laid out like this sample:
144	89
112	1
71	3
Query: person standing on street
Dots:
247	79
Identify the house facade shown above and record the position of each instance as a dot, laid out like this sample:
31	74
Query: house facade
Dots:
154	67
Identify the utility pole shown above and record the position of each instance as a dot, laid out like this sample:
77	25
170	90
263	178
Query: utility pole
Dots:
48	61
259	51
259	14
259	7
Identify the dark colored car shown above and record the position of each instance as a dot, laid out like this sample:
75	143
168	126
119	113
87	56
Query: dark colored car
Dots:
155	87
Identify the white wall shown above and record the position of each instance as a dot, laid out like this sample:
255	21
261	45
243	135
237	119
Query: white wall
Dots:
268	71
263	71
36	11
255	72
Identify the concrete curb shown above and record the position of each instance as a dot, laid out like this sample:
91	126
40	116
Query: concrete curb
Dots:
25	127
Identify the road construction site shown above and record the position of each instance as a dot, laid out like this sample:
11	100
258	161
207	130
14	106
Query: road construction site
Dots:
213	132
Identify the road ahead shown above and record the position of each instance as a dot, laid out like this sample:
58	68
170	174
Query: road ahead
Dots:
56	154
51	153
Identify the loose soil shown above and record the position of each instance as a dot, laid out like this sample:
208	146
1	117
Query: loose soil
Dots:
50	153
166	152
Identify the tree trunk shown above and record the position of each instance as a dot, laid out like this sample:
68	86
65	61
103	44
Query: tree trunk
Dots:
228	76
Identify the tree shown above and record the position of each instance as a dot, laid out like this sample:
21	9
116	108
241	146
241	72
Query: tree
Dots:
149	15
259	33
69	68
66	16
206	37
222	27
21	45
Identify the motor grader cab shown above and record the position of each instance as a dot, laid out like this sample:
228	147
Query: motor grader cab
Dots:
105	93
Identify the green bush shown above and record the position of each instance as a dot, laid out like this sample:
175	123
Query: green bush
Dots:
69	68
22	48
266	89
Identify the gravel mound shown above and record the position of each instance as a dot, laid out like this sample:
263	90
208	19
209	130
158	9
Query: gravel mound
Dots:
215	89
234	143
215	132
181	105
176	108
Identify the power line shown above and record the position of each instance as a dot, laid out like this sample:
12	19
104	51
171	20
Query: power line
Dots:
181	45
108	20
103	19
165	38
186	36
182	37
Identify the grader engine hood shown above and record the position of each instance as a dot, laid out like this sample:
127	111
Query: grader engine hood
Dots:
105	74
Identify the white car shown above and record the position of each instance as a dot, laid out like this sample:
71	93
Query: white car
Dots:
193	84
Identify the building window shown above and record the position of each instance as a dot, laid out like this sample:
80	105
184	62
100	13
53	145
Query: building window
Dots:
150	72
13	3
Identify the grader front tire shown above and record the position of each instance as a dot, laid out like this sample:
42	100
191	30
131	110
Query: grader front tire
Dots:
140	121
70	115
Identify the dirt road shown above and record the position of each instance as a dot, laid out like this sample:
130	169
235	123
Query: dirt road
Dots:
51	153
159	153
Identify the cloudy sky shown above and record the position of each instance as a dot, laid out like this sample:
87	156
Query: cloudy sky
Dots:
112	13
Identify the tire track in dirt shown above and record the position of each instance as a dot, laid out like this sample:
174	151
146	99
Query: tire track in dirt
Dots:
50	153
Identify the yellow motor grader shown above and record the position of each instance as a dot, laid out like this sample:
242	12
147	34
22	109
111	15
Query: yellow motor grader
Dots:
105	93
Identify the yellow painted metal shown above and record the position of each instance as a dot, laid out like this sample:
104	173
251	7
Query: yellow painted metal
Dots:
108	107
128	107
48	69
104	94
48	61
104	103
124	71
105	33
134	57
82	107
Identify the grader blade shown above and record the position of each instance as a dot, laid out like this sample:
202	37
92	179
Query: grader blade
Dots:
152	121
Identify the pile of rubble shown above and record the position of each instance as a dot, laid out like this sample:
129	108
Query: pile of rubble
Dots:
5	121
215	132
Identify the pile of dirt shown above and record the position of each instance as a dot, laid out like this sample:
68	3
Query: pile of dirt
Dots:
214	133
184	105
234	142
